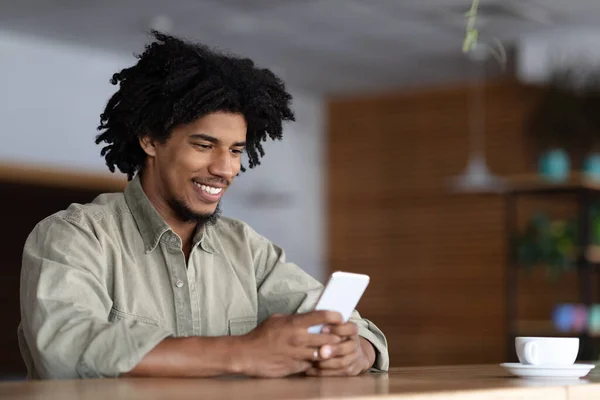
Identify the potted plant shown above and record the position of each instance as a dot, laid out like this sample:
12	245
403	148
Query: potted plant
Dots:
547	242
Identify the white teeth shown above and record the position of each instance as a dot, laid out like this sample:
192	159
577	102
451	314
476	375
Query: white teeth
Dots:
209	189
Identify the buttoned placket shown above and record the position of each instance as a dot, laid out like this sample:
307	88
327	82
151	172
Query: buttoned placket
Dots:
194	295
175	260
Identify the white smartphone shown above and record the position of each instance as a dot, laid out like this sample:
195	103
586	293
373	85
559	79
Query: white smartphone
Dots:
341	294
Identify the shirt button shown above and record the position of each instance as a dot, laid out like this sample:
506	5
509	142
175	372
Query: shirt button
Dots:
179	283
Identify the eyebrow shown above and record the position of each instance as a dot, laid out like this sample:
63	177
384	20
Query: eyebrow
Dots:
214	140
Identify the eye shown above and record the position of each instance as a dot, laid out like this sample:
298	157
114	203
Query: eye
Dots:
237	151
203	146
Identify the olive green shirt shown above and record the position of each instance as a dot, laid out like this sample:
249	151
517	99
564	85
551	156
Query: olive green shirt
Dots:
103	283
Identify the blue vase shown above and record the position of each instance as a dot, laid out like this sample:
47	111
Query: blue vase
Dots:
554	165
591	167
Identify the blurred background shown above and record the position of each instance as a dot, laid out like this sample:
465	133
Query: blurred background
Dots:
463	184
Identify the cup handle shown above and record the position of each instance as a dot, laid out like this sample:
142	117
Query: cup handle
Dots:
531	353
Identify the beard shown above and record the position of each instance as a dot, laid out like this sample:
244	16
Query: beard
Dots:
186	214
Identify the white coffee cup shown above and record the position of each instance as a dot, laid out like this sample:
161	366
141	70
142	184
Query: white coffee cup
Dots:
547	351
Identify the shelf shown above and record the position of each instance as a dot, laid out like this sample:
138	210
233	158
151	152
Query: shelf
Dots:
533	183
592	256
584	190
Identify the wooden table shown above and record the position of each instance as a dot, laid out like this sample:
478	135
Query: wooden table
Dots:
453	382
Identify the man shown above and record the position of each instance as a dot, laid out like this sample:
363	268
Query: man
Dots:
152	282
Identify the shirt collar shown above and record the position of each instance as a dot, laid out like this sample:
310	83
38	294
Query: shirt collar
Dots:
204	239
151	224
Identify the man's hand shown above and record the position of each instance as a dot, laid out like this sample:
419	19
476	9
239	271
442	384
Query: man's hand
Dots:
353	356
282	346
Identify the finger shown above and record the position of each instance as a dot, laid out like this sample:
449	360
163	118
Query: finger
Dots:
320	340
344	330
347	347
351	370
301	338
339	362
312	353
302	366
325	352
317	318
306	354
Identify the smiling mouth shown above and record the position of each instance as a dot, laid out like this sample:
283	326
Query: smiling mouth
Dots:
212	190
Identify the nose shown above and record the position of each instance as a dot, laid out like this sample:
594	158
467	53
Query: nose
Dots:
222	165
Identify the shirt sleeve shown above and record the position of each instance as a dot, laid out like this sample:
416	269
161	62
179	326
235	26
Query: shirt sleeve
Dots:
65	304
285	288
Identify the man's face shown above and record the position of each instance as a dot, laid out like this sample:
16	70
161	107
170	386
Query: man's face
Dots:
196	165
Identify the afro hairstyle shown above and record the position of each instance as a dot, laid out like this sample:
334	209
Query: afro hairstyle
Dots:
175	82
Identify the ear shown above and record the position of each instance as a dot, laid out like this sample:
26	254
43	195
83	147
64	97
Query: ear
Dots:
148	145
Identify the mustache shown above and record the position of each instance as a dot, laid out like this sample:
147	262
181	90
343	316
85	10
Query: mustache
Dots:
213	181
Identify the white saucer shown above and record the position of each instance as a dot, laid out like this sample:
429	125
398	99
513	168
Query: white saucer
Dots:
574	371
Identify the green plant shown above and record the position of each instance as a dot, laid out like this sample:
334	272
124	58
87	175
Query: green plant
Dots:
547	242
472	37
594	221
471	34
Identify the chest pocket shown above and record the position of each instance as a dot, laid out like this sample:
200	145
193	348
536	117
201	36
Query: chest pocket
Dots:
241	326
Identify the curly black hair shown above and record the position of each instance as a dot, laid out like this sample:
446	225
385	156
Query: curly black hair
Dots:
175	82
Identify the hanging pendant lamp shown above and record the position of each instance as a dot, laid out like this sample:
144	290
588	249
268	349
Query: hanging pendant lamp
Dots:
477	176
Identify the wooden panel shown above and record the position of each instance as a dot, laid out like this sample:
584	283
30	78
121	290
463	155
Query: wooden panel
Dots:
60	178
437	259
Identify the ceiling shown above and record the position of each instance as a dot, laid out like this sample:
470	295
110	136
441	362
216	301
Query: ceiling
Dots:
324	46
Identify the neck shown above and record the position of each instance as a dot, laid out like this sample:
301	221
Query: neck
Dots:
185	230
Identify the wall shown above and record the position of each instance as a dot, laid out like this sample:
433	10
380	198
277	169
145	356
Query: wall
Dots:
538	55
51	98
437	259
